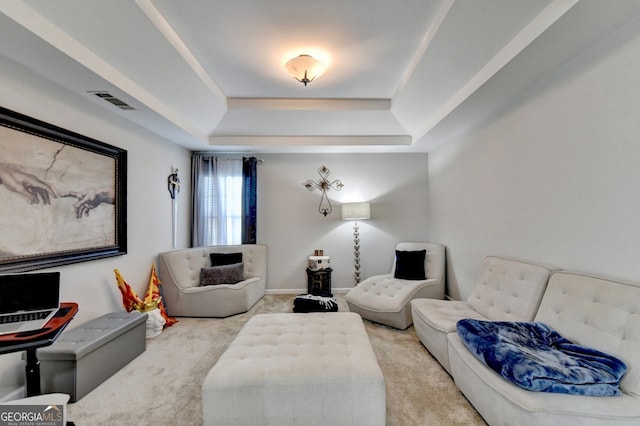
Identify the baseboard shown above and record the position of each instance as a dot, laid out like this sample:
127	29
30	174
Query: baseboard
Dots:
11	394
283	291
301	291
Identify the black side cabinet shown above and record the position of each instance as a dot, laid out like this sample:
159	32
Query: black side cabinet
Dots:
319	282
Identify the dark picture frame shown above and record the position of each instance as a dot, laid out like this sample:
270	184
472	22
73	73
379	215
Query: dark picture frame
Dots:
63	196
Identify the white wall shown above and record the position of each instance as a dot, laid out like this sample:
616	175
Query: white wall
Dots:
92	284
555	179
290	224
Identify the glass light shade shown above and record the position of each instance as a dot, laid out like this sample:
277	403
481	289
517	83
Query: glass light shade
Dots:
356	211
304	68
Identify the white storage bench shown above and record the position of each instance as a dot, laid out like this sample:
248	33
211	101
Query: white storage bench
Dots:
84	357
286	369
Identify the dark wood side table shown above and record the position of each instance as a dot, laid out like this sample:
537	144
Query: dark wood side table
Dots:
319	282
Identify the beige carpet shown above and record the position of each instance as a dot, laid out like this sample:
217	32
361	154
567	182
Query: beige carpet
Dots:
162	386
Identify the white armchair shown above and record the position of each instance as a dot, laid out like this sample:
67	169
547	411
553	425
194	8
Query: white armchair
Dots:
386	299
180	274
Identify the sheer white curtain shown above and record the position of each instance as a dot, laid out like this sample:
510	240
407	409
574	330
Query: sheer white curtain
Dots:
217	200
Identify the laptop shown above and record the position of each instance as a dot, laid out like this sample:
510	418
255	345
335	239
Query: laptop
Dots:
28	301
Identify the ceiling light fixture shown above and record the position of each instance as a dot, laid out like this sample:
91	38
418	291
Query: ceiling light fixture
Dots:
304	68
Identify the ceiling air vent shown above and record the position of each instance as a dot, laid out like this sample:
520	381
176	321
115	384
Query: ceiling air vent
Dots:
113	100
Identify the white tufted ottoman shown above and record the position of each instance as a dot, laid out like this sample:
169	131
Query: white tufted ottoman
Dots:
297	369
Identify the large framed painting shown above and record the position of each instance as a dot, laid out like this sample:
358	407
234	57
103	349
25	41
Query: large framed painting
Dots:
62	196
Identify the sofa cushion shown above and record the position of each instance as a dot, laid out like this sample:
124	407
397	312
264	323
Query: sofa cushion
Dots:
433	319
599	313
509	290
443	315
219	259
410	265
223	274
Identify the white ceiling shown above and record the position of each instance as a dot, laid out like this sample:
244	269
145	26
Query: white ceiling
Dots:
209	75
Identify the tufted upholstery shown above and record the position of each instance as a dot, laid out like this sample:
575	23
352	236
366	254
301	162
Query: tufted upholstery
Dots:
433	321
598	313
507	290
316	368
590	311
385	299
179	273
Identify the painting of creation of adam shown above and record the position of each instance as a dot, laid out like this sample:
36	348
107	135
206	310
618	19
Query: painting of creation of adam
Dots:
54	197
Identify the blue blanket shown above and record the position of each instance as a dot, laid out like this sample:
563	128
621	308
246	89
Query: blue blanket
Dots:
534	356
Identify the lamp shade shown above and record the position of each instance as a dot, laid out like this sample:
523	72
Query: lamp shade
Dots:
304	68
356	211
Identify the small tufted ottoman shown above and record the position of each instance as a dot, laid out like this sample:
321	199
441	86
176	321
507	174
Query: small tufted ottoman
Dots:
297	369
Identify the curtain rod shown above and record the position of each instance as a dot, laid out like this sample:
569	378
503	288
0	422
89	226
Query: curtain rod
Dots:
213	154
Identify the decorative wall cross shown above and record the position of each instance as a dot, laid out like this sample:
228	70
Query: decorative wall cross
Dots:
324	185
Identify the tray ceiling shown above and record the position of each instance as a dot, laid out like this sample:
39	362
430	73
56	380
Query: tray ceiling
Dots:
209	74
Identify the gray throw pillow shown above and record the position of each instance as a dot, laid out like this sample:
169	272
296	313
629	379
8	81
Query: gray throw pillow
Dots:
223	274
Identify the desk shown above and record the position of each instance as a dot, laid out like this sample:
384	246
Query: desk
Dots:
30	341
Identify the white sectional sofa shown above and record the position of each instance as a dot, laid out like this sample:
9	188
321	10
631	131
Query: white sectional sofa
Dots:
179	272
590	311
507	290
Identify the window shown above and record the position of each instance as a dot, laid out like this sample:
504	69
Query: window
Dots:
224	200
223	203
217	202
